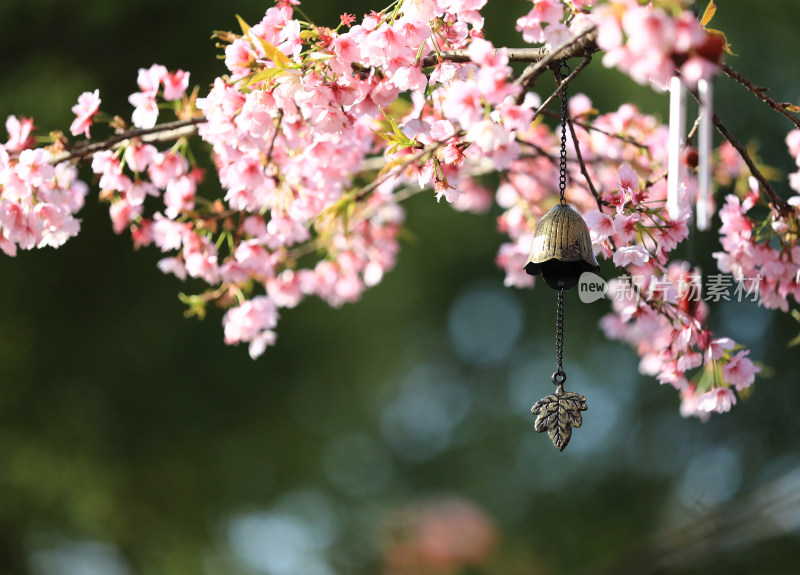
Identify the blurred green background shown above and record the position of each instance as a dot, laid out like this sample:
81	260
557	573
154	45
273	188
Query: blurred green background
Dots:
389	436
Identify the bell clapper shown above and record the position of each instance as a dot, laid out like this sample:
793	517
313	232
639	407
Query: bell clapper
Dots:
561	252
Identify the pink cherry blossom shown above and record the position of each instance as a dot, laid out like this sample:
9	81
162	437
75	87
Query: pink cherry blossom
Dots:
601	226
719	400
85	110
179	196
253	321
34	166
150	79
419	10
793	143
531	27
167	234
716	348
631	255
463	103
145	113
550	11
487	135
172	266
689	404
740	371
555	35
625	228
20	134
139	156
165	167
123	213
512	258
628	180
410	78
175	85
442	130
579	105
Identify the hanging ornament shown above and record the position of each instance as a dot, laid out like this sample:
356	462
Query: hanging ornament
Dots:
704	143
677	136
561	252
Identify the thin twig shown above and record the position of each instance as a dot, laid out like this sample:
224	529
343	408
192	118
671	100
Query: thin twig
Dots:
542	153
761	94
361	193
779	203
160	133
274	136
654	181
584	171
592	128
693	131
562	85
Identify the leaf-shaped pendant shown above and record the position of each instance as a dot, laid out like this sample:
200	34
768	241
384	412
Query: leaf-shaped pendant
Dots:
557	414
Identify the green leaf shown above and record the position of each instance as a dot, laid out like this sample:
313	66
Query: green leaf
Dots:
271	52
386	137
264	75
396	129
711	9
244	25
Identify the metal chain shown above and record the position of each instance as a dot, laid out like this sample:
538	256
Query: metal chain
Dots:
563	71
559	377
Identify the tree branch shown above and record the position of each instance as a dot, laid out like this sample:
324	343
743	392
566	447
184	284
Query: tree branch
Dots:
779	203
160	133
585	40
761	94
581	45
652	182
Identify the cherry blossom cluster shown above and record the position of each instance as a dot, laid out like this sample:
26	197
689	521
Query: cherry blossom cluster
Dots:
291	136
762	250
38	201
152	82
317	134
544	24
657	306
651	45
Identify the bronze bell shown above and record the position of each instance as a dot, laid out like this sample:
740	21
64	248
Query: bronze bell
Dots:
562	248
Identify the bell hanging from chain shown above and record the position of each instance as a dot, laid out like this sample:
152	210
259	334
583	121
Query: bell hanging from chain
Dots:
561	252
562	248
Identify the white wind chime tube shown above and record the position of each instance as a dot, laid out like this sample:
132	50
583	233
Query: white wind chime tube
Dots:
677	135
704	141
